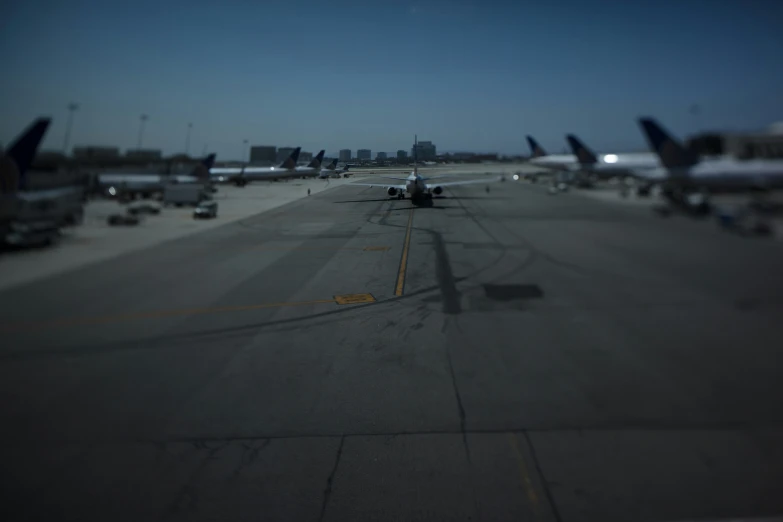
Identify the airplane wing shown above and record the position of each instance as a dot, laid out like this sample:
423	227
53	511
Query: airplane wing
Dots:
464	182
386	186
395	179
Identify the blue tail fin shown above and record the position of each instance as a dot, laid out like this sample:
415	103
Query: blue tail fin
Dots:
583	154
316	161
202	169
290	162
332	165
20	156
669	150
535	149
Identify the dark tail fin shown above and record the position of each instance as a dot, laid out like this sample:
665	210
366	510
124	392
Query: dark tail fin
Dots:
290	162
316	161
583	154
20	156
332	165
415	154
535	149
669	150
202	169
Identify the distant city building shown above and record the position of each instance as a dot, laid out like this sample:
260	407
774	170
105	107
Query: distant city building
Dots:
283	153
263	154
364	154
424	151
144	154
305	157
345	155
89	152
749	146
381	156
402	155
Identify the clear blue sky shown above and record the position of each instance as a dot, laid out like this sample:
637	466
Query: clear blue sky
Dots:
468	75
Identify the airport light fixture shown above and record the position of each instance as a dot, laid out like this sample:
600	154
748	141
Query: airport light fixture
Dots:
72	108
143	119
187	140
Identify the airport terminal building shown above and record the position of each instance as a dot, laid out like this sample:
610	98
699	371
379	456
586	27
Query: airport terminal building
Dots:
766	144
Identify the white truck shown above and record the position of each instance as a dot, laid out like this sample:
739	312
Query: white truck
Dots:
36	217
185	194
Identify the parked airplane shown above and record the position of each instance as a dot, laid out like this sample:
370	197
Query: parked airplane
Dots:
313	168
147	184
419	187
19	156
555	161
689	180
331	171
641	165
240	176
33	216
561	165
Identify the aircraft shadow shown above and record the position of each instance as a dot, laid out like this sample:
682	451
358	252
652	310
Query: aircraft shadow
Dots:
423	202
427	203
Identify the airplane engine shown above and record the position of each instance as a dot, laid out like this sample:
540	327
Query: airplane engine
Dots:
437	190
392	191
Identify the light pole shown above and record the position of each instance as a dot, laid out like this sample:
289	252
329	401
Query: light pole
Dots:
244	150
143	118
72	107
187	140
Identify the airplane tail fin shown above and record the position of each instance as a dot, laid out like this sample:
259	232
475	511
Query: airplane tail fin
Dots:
535	149
20	155
582	153
290	162
669	150
415	154
316	161
202	169
332	165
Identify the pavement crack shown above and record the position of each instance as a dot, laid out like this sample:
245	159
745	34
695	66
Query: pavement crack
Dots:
187	498
330	479
250	455
458	397
544	483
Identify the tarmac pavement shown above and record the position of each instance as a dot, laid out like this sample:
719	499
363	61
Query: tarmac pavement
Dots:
507	355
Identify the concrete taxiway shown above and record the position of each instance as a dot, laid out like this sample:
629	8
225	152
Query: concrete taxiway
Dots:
485	356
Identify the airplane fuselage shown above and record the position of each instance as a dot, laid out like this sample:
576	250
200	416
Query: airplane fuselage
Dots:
415	186
729	174
555	160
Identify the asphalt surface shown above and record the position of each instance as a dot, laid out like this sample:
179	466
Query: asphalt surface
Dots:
549	358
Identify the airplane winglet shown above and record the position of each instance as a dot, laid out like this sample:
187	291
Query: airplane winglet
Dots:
20	156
